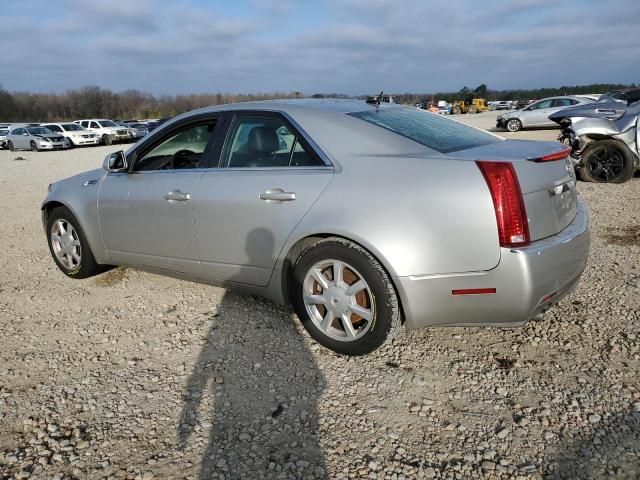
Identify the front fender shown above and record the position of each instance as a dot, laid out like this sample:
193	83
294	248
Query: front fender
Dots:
79	194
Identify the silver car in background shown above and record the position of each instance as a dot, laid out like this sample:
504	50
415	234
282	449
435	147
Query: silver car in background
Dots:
34	138
363	217
537	114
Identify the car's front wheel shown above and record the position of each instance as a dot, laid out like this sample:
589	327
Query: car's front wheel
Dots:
69	246
107	140
344	298
34	146
514	125
10	146
606	161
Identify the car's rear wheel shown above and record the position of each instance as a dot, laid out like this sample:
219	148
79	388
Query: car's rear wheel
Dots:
34	146
69	246
10	146
344	297
606	161
513	125
107	140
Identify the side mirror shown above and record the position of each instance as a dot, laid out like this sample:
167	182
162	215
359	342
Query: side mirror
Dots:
115	162
25	134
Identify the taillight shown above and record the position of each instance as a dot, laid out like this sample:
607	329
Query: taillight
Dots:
513	226
559	155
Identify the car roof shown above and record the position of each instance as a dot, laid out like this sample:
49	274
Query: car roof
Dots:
334	105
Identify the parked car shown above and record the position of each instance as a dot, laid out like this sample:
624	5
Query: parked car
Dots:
444	224
3	136
138	130
604	142
34	138
108	131
629	95
502	105
536	114
75	134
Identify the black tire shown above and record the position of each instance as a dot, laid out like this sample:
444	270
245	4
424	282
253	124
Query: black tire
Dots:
34	146
10	146
87	266
513	125
107	140
70	142
386	320
606	161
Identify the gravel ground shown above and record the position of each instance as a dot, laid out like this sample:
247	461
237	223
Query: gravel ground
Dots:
137	376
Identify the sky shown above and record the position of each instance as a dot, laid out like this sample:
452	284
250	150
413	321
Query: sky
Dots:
327	46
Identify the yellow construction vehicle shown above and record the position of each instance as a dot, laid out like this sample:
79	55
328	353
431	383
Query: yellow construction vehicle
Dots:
470	105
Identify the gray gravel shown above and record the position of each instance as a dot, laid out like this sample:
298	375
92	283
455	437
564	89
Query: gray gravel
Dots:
136	376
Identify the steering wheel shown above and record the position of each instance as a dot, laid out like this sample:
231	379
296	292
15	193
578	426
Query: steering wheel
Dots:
180	158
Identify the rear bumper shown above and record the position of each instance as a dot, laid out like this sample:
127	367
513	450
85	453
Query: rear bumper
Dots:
527	281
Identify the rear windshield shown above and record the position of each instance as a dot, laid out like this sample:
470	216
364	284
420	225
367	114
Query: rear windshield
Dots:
429	129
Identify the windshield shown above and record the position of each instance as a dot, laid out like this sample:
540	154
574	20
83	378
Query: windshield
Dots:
431	130
39	131
71	127
107	123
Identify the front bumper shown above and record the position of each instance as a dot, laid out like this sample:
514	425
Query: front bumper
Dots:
527	281
53	146
501	123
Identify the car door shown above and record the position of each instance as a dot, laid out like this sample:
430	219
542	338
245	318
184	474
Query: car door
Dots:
537	113
146	213
268	178
21	138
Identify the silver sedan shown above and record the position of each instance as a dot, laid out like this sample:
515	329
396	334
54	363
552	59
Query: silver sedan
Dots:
363	217
537	114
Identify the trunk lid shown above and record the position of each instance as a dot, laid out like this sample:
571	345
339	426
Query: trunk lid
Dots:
548	188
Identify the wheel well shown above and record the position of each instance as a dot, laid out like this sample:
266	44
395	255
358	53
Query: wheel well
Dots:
48	207
301	245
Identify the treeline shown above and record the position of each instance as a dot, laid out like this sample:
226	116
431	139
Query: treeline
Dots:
96	102
520	94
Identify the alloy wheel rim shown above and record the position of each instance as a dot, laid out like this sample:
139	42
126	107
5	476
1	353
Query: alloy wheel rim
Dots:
66	244
606	164
338	300
512	125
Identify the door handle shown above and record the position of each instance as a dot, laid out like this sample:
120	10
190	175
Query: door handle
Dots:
277	195
177	196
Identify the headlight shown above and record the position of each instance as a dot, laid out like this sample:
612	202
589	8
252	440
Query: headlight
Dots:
45	140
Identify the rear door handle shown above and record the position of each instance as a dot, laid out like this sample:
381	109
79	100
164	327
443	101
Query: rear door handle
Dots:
177	196
277	195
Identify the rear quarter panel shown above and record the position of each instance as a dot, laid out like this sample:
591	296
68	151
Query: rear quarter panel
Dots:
418	215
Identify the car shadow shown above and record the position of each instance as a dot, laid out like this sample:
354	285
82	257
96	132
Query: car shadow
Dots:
613	451
255	387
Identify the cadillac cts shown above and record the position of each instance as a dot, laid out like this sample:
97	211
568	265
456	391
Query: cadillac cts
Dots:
363	217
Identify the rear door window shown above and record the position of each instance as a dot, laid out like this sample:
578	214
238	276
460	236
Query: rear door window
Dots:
263	142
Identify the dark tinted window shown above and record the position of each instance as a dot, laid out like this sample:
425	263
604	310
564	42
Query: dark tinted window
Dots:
562	102
54	128
259	142
429	129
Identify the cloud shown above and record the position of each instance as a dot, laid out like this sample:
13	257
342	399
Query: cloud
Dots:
350	46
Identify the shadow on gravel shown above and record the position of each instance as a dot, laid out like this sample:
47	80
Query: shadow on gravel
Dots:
265	384
613	451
